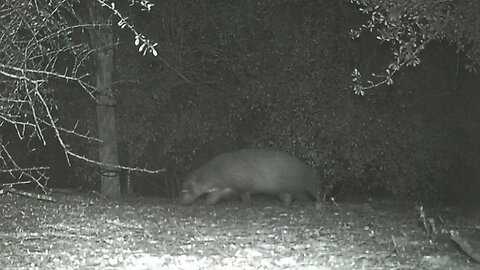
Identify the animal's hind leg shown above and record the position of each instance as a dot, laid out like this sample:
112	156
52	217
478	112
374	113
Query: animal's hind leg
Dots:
286	199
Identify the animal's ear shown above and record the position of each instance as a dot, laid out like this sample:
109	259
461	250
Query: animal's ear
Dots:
191	178
188	185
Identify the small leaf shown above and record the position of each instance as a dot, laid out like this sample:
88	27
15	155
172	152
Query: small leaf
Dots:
141	47
389	81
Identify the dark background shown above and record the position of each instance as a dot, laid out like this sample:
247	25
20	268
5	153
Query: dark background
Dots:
276	74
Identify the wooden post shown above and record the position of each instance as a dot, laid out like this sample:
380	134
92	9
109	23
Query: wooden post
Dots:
102	43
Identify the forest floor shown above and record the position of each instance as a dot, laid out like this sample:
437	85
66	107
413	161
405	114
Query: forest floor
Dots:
88	232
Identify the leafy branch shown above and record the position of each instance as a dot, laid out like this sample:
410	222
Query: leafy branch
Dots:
409	26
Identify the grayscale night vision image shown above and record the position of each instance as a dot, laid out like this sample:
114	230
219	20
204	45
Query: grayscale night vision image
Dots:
294	134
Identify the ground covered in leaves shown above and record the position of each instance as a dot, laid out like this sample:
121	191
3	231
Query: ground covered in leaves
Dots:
88	232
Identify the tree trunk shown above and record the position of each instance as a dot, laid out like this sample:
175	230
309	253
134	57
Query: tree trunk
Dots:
102	43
